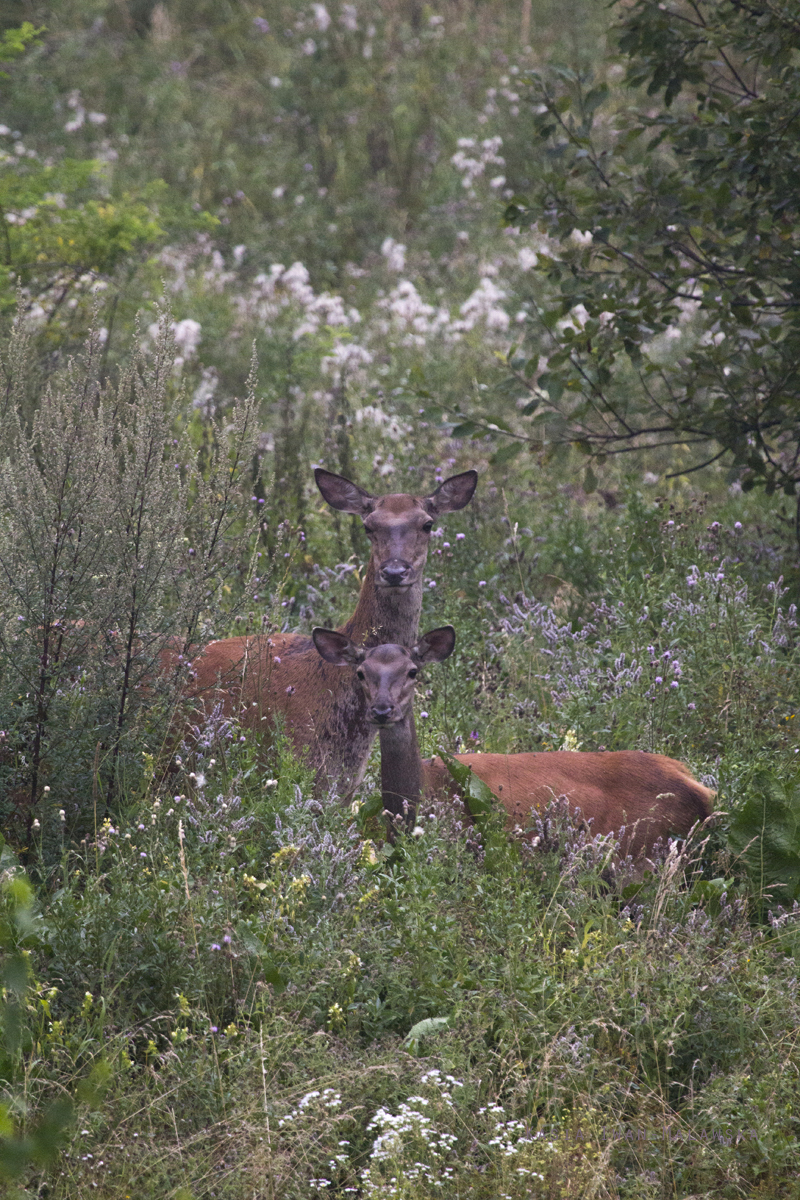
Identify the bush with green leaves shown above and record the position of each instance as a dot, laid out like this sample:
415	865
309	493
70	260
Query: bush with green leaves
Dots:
121	541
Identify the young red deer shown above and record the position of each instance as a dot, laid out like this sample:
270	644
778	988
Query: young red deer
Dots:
322	708
387	675
647	795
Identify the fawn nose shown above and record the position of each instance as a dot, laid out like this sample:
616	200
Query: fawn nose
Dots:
380	713
395	572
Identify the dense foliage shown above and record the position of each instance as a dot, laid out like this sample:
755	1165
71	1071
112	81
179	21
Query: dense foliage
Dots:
672	224
217	980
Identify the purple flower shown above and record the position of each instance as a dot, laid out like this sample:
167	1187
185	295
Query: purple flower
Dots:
674	683
460	537
214	1029
216	946
481	583
737	525
431	583
659	679
475	736
227	939
142	854
261	24
691	706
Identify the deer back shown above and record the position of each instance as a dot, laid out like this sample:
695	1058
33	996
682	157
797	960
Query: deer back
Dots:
648	795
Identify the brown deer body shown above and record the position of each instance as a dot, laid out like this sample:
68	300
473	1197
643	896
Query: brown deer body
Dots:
648	795
322	709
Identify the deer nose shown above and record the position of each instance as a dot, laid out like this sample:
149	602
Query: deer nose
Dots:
395	572
380	713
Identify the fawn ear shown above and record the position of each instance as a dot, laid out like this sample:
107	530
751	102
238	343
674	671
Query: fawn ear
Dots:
343	495
435	646
336	648
456	492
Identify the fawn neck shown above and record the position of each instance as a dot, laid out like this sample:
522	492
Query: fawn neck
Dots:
401	769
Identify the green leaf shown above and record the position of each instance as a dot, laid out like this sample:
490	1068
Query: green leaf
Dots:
507	453
430	1027
764	834
478	796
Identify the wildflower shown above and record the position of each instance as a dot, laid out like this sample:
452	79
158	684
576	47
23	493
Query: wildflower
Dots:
227	939
423	716
46	787
460	537
481	583
737	525
692	706
659	679
431	583
36	824
417	831
261	24
216	946
62	816
674	684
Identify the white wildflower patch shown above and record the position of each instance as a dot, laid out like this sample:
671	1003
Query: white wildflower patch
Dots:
394	253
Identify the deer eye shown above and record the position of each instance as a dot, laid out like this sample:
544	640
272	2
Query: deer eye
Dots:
360	674
427	527
412	674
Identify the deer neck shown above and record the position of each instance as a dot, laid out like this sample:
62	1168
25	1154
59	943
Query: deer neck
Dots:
401	769
385	614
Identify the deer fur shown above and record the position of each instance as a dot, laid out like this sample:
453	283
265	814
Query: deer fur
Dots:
260	678
648	795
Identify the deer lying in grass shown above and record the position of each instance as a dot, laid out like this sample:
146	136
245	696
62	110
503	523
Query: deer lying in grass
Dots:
648	796
644	797
324	710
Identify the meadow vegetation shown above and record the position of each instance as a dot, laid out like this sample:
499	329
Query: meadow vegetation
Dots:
218	979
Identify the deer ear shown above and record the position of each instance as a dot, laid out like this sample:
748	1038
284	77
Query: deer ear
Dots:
435	646
343	495
456	492
336	648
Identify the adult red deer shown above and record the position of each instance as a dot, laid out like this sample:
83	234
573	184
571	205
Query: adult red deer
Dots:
323	709
387	675
646	795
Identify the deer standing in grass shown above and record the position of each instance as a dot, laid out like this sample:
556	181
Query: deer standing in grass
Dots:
257	678
643	797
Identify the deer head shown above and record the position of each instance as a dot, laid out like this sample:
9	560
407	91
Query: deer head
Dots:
387	673
399	525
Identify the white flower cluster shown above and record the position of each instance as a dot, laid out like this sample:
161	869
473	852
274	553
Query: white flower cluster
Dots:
80	117
472	158
410	1144
328	1098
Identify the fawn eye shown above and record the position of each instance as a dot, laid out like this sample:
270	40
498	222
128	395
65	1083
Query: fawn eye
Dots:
412	674
360	674
427	527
